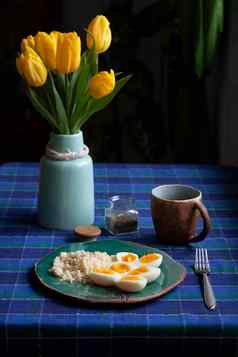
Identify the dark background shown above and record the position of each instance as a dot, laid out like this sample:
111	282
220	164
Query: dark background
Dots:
164	114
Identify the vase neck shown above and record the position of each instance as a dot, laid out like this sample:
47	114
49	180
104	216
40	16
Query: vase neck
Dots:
63	143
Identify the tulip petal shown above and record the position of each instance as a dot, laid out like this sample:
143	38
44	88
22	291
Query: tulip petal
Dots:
31	68
102	84
29	41
99	28
68	53
45	46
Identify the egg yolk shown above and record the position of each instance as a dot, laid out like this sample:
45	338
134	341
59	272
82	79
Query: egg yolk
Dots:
129	258
149	258
104	271
131	277
139	270
120	268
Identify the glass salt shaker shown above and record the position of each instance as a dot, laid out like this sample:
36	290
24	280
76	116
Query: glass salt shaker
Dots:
121	217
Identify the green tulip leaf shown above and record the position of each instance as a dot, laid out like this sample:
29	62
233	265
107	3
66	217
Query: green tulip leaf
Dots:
59	80
40	108
42	94
59	108
72	87
80	96
49	97
78	123
70	84
75	74
98	104
95	105
68	96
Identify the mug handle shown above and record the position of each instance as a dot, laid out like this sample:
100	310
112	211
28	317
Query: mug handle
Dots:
206	222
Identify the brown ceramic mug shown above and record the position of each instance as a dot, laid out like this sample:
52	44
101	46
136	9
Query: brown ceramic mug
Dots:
175	209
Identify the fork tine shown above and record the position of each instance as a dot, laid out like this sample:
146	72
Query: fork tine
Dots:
196	259
200	254
202	267
199	259
207	261
203	260
201	263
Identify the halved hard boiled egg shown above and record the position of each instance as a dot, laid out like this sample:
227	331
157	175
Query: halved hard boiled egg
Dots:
131	283
120	268
151	273
131	259
104	276
152	259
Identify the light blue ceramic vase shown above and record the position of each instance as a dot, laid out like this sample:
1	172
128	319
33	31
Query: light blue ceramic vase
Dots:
66	189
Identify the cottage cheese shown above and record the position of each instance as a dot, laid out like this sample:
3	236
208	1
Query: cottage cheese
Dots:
75	266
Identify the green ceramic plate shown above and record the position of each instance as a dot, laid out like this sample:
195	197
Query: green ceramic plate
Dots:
172	273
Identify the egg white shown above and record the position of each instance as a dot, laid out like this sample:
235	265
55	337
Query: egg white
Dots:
150	275
103	279
155	263
133	264
132	285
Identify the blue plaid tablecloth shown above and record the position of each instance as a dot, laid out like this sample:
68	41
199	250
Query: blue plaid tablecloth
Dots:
33	321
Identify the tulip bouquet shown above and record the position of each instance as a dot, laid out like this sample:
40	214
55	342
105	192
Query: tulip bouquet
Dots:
65	87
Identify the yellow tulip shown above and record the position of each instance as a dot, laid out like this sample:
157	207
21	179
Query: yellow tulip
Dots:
31	68
68	52
102	84
29	41
99	28
55	34
45	46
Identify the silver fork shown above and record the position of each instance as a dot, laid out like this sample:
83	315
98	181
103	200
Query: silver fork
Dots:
202	266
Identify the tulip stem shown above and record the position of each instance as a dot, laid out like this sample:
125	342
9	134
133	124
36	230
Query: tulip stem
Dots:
49	100
60	111
67	97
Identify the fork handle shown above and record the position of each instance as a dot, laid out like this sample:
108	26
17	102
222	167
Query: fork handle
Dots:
209	296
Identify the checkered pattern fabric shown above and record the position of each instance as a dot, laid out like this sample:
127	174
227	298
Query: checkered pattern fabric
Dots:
40	322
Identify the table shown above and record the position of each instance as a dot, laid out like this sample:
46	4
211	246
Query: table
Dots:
34	321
